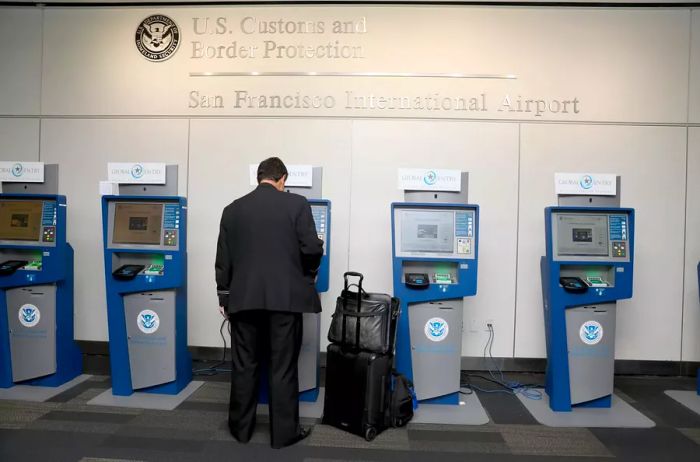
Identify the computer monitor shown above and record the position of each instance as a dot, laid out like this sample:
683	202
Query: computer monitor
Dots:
21	220
447	233
582	235
427	231
137	223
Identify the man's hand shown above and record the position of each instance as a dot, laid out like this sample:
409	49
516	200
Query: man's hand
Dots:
223	312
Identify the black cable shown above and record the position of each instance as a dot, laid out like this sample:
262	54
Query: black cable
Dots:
505	386
216	368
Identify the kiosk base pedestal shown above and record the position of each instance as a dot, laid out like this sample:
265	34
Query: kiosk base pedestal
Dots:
620	415
468	412
689	399
39	394
146	400
307	409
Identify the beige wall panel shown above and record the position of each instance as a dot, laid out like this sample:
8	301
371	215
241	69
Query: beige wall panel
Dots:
489	152
19	139
694	96
83	148
651	161
20	60
220	153
691	305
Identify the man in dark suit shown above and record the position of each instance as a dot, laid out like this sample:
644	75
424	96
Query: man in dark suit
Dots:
267	256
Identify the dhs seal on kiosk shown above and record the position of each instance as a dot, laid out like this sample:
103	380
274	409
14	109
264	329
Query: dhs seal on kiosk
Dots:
157	37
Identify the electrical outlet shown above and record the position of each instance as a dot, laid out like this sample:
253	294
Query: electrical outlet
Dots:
486	324
474	325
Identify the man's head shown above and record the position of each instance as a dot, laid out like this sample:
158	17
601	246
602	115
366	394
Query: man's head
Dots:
273	171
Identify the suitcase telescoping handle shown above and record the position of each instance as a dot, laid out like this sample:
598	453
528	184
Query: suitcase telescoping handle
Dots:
355	274
359	304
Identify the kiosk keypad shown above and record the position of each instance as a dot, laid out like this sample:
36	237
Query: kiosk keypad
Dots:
619	249
49	234
170	237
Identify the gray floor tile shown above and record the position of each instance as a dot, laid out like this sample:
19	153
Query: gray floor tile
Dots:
137	431
16	415
213	392
451	436
692	433
102	459
206	406
75	427
154	444
547	441
327	436
193	420
83	416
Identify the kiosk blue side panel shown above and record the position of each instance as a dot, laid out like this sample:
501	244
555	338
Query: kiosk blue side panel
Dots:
323	279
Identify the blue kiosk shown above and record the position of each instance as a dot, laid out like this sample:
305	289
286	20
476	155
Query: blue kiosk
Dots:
310	354
588	267
36	285
145	258
435	249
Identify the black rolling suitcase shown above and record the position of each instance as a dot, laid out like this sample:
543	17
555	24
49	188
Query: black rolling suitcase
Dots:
357	390
358	379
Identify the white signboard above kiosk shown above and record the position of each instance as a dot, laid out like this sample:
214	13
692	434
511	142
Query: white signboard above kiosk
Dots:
136	173
22	172
589	184
429	179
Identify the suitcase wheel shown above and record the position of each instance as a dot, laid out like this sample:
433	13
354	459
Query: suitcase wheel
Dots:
370	433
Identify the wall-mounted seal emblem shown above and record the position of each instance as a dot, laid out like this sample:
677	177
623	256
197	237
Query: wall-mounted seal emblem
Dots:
157	37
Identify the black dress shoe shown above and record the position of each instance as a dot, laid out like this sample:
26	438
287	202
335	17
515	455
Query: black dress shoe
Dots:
305	432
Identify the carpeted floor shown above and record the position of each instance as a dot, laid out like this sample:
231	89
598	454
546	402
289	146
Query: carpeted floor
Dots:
67	429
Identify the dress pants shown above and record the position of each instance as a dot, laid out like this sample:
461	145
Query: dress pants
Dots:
274	337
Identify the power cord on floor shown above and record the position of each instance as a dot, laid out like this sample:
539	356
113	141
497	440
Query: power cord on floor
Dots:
529	390
216	368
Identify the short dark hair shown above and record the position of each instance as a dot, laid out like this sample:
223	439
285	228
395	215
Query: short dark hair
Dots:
271	168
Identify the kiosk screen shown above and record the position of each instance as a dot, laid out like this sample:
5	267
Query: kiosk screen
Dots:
427	231
20	220
583	235
137	223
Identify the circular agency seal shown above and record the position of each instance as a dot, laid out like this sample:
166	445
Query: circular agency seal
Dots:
157	37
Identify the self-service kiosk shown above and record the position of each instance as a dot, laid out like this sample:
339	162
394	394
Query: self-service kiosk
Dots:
587	268
145	242
435	248
309	355
36	286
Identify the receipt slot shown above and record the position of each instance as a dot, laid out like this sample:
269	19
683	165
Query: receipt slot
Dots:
145	242
588	267
435	260
36	286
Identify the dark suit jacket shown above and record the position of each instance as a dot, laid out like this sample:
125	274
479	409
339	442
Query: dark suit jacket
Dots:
268	253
